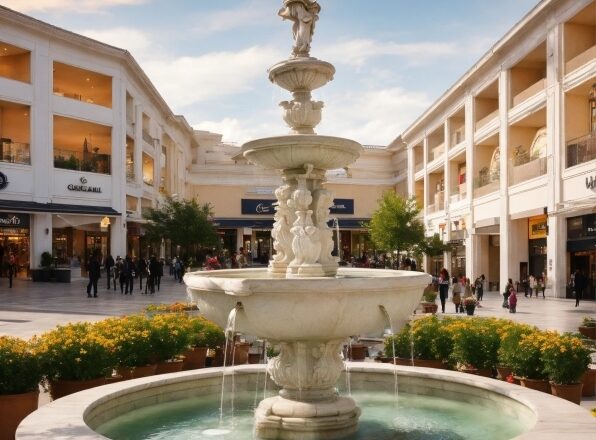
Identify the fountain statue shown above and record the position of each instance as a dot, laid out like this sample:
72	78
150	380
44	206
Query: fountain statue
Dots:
303	301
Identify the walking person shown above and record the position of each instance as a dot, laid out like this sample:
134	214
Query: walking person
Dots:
508	288
128	269
154	266
159	273
141	268
532	282
241	259
443	287
543	285
94	271
512	300
109	264
479	283
579	284
12	268
456	290
116	272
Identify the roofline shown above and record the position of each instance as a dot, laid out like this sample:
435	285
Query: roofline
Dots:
539	8
113	51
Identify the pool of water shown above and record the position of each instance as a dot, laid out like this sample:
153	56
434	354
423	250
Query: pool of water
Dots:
384	417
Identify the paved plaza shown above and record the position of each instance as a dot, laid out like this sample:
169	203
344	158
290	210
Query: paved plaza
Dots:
33	308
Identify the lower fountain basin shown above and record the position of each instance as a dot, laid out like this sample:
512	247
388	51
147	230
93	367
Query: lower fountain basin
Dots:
308	308
529	414
295	150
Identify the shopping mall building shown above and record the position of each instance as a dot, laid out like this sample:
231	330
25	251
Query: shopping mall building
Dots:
503	164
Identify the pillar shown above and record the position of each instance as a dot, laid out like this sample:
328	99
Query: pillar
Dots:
41	237
505	261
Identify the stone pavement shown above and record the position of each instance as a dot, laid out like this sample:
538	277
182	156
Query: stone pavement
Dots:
32	308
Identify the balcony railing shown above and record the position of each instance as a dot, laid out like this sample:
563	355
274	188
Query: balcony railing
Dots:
458	192
418	167
525	171
148	180
15	152
581	149
483	186
80	161
130	172
147	138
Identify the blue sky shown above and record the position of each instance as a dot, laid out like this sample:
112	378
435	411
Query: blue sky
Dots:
208	58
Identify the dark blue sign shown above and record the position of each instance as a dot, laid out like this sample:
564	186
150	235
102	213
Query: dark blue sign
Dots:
342	206
258	206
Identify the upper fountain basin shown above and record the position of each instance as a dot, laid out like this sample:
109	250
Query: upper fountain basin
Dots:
308	308
296	150
301	74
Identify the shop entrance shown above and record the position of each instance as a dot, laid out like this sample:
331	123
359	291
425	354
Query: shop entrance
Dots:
263	247
586	262
96	243
15	241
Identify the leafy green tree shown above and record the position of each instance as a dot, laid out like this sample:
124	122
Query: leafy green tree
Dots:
395	224
184	222
434	246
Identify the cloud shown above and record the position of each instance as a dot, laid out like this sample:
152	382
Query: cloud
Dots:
242	130
137	42
225	20
358	51
81	6
187	80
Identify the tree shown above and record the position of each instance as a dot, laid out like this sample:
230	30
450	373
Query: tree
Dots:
434	246
395	224
184	222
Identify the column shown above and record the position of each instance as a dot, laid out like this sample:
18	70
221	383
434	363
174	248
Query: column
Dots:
411	171
426	179
138	132
447	191
557	231
505	239
41	237
118	236
472	270
42	145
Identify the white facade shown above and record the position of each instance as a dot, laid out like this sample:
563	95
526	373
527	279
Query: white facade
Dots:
77	103
511	146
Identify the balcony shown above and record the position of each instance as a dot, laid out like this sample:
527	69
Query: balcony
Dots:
520	172
15	152
534	89
581	150
439	203
82	161
581	59
488	118
483	186
418	167
147	138
130	172
458	193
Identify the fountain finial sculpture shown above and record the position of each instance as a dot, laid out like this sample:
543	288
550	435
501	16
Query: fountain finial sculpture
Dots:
304	14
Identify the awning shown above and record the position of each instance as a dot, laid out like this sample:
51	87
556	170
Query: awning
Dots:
58	208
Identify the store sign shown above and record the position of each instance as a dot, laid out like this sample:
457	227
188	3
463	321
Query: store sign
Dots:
3	181
83	187
9	220
591	183
258	206
342	206
537	227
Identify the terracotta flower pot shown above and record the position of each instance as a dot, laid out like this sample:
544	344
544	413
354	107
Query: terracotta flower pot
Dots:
429	308
535	384
124	372
144	371
571	392
254	358
588	332
428	363
13	409
194	358
589	381
504	372
484	372
60	388
240	355
357	352
171	366
399	361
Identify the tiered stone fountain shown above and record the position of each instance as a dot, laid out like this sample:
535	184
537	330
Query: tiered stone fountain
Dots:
302	301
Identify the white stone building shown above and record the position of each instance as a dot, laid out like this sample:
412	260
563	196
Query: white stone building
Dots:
85	138
504	162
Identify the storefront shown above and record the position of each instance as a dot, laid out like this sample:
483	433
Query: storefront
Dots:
581	248
537	227
15	240
458	256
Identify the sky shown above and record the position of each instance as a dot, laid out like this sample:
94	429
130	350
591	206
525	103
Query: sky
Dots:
209	58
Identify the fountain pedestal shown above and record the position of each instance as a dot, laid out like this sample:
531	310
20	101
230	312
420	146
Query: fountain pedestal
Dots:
308	405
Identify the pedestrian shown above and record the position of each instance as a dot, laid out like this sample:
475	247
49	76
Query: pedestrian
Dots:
525	286
177	269
507	292
109	264
456	290
532	282
116	271
443	287
512	300
479	283
154	266
413	266
128	272
94	272
141	268
543	285
241	259
578	286
159	273
12	268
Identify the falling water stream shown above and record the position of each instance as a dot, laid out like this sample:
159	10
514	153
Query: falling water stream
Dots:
392	333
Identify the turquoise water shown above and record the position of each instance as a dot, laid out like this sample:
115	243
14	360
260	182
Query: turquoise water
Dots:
409	417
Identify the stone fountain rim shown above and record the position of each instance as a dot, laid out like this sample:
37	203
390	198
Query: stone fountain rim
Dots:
306	63
231	282
302	140
65	418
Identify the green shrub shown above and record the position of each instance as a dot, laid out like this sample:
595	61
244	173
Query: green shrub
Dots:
20	371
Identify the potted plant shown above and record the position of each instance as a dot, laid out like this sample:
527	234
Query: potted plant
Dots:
19	383
202	335
169	338
424	346
356	351
42	274
429	298
510	334
398	347
527	361
475	346
470	303
74	357
588	327
566	359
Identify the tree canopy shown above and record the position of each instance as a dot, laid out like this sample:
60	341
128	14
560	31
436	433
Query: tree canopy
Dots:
434	246
395	224
185	222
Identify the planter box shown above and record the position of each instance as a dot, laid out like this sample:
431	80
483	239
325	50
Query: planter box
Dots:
588	332
47	275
